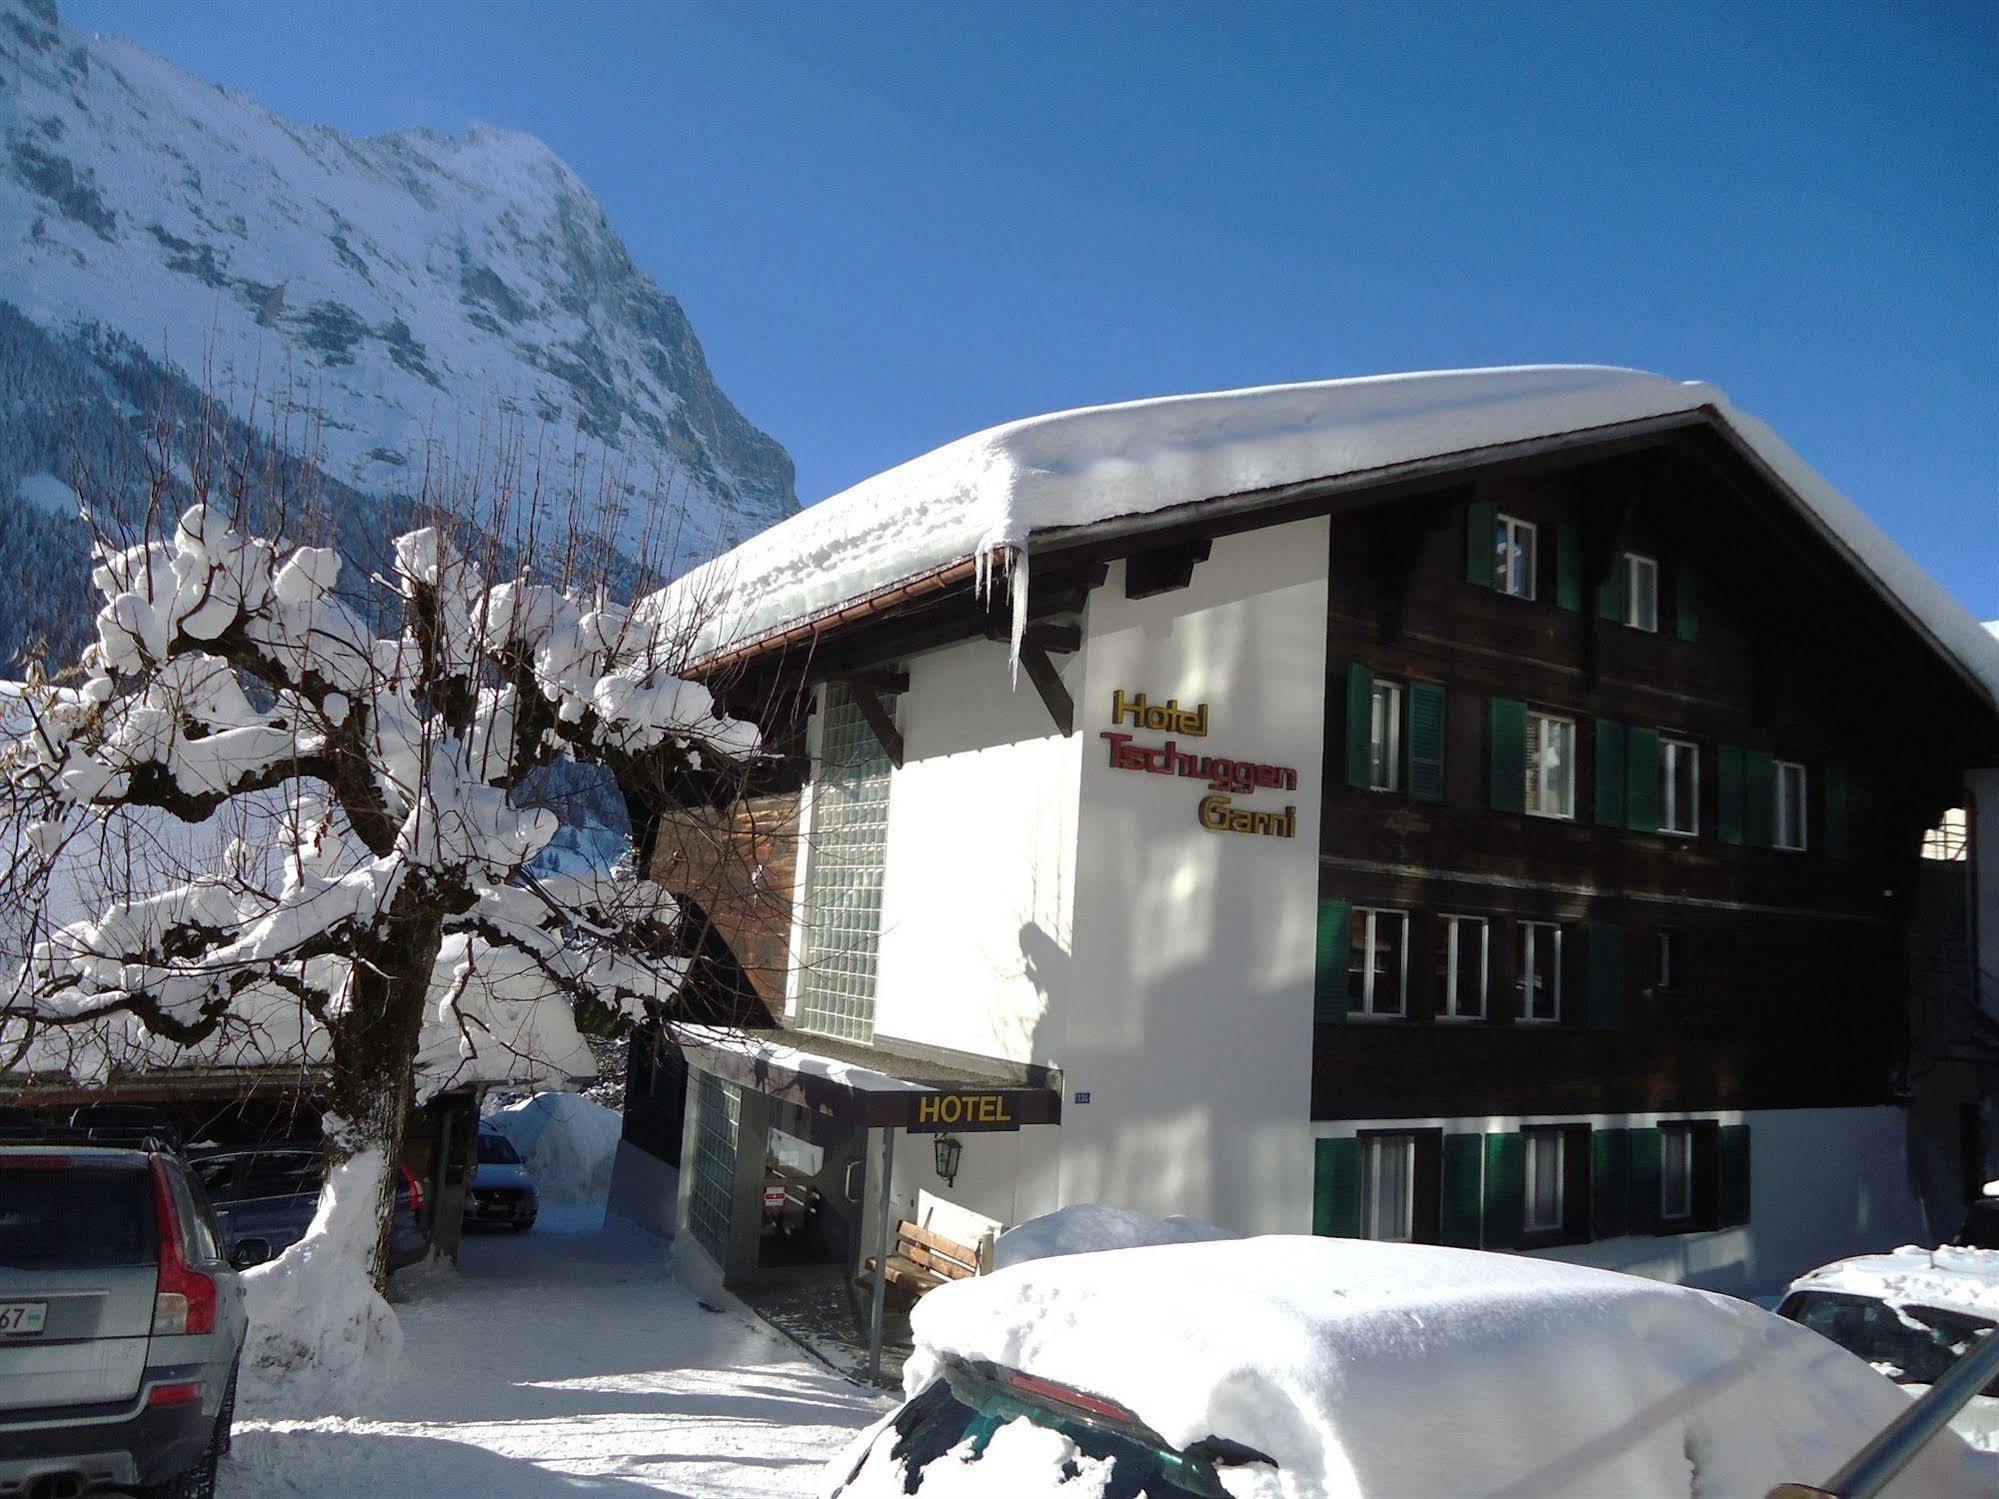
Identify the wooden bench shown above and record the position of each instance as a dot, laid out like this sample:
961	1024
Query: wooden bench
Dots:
923	1261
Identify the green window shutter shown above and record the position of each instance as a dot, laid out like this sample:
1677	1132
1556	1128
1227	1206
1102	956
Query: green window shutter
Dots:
1481	518
1733	1194
1610	751
1728	823
1610	1184
1610	597
1464	1190
1759	798
1360	724
1835	811
1641	781
1648	1153
1687	605
1509	755
1606	976
1505	1191
1336	1188
1568	569
1329	984
1426	741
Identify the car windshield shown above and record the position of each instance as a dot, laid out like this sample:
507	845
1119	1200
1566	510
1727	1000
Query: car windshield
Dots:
75	1218
497	1150
1909	1344
960	1415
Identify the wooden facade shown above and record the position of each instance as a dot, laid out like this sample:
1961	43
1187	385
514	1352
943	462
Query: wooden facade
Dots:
1793	990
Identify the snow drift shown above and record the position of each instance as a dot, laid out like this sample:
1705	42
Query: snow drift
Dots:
567	1140
1379	1369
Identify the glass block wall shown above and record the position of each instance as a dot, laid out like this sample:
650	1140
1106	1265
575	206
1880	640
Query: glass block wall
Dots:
843	898
717	1120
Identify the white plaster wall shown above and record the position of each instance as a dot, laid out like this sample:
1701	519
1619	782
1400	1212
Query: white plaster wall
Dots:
1190	973
978	894
1824	1184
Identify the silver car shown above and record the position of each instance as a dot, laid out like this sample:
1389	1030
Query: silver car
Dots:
121	1324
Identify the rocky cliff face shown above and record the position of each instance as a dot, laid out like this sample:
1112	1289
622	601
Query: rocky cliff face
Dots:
401	290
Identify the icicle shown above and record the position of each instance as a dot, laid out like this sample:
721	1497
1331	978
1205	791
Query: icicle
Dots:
1017	577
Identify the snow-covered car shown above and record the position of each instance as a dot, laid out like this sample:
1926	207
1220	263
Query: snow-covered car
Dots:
1316	1368
265	1198
1910	1314
121	1324
502	1190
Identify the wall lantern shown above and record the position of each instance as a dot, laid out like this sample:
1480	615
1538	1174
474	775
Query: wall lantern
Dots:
948	1153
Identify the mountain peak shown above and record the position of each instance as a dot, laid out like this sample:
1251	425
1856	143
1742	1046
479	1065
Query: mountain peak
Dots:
417	284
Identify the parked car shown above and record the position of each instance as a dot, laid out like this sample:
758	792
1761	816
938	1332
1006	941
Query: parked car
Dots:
502	1190
1910	1314
265	1197
1319	1366
121	1323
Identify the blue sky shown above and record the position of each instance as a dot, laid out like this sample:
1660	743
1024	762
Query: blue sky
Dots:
895	225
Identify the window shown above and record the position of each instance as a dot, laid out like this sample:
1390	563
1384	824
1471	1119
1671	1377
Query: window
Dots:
1547	1169
1513	556
1676	1172
1672	960
1384	742
1790	818
1463	960
1551	766
843	881
1641	592
1377	962
1388	1202
1679	787
1537	976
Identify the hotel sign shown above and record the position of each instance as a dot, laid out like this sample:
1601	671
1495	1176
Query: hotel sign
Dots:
1227	777
977	1111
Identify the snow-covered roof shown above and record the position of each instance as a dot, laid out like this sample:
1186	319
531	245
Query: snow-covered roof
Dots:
1951	1279
985	498
1367	1368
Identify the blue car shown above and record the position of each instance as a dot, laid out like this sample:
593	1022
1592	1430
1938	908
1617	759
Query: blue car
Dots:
502	1190
265	1197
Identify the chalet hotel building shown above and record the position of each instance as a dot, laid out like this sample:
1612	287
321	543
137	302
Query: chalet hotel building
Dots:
1484	808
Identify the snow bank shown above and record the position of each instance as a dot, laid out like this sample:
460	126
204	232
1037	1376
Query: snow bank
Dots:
316	1321
980	499
567	1140
1401	1369
1088	1227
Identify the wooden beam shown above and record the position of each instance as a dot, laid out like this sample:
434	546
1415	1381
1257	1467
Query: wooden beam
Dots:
873	710
1048	682
882	679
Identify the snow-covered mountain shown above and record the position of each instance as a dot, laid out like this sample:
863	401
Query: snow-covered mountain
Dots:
407	287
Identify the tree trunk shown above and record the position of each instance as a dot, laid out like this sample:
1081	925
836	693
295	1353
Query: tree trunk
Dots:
374	1048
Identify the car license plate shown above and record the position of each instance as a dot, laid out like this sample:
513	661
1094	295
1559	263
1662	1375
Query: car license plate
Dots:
22	1319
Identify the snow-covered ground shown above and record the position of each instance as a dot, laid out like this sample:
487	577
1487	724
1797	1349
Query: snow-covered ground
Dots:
566	1360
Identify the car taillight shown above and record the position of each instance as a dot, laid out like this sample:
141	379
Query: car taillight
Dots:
1061	1394
185	1302
416	1190
35	1162
180	1392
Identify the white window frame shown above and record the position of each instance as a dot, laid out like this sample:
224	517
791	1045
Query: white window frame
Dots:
1777	784
1384	773
1671	820
1533	753
1373	1149
1676	1206
1529	1140
1636	566
1453	928
1532	933
1516	541
1365	952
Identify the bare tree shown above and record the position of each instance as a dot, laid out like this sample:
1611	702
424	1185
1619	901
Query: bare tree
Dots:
294	783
